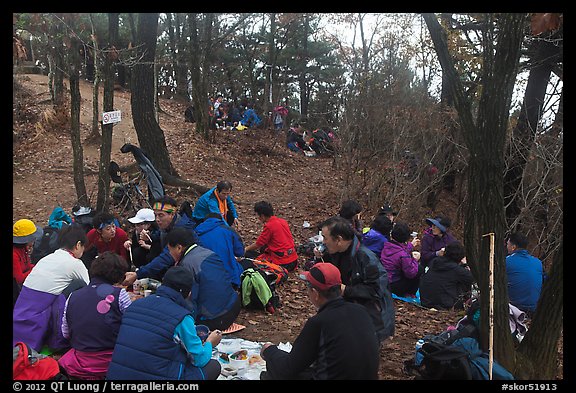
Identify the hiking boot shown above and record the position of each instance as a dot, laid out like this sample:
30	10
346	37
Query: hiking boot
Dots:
270	308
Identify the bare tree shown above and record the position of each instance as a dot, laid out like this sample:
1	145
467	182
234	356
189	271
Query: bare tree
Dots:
485	136
108	105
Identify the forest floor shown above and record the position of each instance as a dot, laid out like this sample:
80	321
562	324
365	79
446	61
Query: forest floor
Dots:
256	162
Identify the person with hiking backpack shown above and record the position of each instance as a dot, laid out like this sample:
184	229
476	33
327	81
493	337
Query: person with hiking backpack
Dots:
364	279
276	243
339	342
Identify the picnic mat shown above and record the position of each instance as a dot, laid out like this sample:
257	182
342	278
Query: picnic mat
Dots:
235	327
415	300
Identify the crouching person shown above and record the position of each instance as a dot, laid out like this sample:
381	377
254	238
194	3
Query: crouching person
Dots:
158	340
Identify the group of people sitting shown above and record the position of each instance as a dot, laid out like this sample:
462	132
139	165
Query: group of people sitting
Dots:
435	266
316	143
75	300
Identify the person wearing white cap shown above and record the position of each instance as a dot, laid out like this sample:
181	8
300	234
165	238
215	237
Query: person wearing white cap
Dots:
144	243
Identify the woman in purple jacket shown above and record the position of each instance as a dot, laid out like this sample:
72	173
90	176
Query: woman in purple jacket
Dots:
402	266
435	239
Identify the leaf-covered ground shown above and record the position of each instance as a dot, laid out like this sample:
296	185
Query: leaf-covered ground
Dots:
257	163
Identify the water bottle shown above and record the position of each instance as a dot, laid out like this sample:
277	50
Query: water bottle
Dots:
419	356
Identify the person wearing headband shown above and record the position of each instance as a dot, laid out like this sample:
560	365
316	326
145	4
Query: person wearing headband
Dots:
168	217
339	342
105	236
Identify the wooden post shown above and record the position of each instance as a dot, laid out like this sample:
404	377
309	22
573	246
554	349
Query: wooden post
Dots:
491	312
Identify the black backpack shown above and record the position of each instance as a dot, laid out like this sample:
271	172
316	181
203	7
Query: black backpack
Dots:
45	245
442	361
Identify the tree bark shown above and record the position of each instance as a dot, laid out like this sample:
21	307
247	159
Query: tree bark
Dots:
485	139
75	97
108	105
150	135
95	133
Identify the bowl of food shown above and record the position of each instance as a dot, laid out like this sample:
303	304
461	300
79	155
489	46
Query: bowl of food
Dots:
239	359
202	331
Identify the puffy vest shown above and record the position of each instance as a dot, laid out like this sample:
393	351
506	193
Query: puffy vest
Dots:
145	348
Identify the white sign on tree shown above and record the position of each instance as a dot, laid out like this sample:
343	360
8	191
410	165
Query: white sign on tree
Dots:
111	117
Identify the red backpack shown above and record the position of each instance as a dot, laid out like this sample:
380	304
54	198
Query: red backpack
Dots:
30	365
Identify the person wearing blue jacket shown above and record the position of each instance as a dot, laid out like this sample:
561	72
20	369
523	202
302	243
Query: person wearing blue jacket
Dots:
378	234
214	301
525	274
167	218
217	200
158	340
216	235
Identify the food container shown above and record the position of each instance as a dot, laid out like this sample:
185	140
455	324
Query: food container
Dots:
202	331
239	359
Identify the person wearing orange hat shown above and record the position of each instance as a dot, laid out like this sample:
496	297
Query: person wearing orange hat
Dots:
339	342
24	234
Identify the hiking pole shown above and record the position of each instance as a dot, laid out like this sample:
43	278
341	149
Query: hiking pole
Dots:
491	311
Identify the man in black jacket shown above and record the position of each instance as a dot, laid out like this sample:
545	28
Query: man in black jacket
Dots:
339	342
363	275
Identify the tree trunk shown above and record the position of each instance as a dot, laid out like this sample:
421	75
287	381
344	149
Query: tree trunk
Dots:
485	139
95	133
150	135
108	105
268	98
199	67
544	59
77	152
304	93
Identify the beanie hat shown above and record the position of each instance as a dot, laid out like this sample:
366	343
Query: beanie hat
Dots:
180	279
25	231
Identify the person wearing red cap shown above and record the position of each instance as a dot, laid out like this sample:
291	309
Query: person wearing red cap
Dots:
339	342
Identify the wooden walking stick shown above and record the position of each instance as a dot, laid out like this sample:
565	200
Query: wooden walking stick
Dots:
491	312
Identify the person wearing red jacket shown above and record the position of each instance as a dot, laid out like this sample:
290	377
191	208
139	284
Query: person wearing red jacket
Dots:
24	234
105	236
276	242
